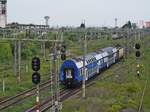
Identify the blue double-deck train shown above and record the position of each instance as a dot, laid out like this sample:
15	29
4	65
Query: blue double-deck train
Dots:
71	72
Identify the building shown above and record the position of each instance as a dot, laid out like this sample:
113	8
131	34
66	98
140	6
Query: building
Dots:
3	13
147	24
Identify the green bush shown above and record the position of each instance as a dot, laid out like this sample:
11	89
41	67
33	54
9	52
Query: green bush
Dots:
5	52
115	108
132	87
29	50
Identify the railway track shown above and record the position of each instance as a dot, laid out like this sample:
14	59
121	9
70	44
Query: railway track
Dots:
64	94
26	94
22	96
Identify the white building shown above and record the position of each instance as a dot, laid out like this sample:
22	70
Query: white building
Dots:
3	13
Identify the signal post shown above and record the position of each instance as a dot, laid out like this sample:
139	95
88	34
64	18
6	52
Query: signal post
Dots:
36	80
137	54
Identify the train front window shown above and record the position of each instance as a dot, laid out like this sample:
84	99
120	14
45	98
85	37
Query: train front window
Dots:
68	74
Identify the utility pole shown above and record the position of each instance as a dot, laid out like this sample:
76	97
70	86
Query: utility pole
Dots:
55	76
58	79
139	36
4	79
52	84
62	37
19	61
37	98
116	20
55	80
84	68
43	45
15	58
127	40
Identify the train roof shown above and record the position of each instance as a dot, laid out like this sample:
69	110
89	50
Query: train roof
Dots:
92	57
89	58
107	49
77	59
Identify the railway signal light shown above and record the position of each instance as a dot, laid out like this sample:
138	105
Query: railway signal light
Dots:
36	78
138	66
138	70
35	64
63	57
137	47
138	54
138	73
63	52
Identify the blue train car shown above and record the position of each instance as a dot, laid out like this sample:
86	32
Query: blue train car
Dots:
111	55
71	72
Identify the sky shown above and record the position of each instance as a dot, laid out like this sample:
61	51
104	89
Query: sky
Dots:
73	12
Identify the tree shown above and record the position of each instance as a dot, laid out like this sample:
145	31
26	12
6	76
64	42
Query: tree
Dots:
29	49
127	25
5	53
82	25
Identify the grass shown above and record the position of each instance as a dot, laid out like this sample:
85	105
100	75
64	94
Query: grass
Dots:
29	102
121	91
13	87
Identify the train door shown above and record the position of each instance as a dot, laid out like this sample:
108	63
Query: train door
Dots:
117	55
101	64
98	66
105	57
